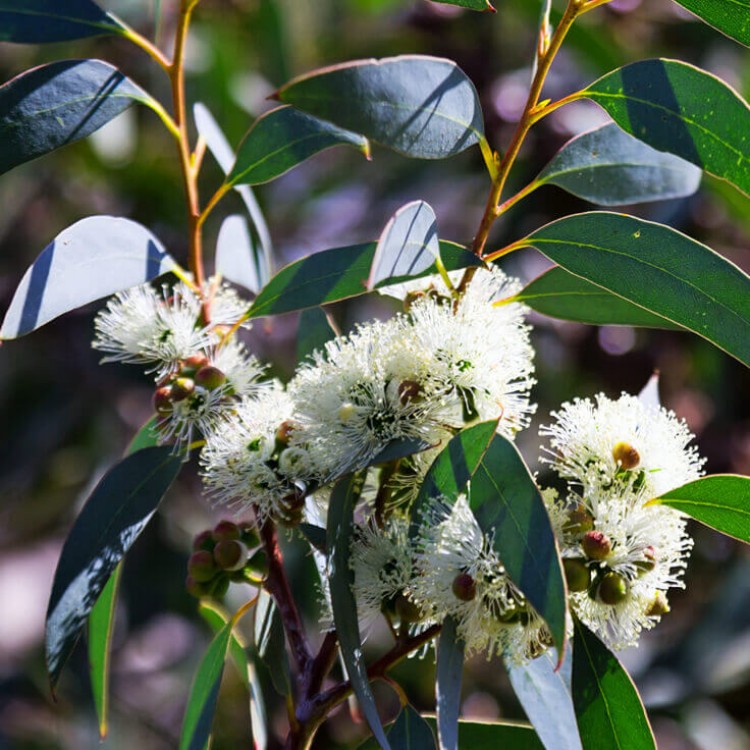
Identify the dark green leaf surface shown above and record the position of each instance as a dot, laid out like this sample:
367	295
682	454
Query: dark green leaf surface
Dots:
283	138
423	107
60	103
408	245
732	17
217	619
492	735
410	732
39	21
721	501
93	258
270	643
560	294
339	538
114	516
313	332
101	623
204	692
470	4
507	502
336	274
659	269
544	694
611	168
452	469
678	108
449	670
608	708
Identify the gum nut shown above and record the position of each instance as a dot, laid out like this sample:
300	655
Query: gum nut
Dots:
464	587
182	388
204	540
596	545
626	455
210	377
577	574
193	363
195	588
201	566
230	554
408	391
613	588
225	530
406	610
162	400
579	520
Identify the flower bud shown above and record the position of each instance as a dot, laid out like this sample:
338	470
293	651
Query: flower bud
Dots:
346	411
596	545
194	588
203	540
182	388
284	431
577	574
226	530
408	391
220	587
613	588
162	400
291	508
193	363
249	535
579	520
201	566
626	455
230	554
464	587
648	563
210	377
406	610
659	605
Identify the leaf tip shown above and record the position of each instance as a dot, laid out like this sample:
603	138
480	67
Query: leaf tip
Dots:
490	8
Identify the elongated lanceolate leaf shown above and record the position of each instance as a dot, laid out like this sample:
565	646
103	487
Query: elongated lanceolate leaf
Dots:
283	138
493	735
611	168
679	108
732	17
215	616
508	505
721	501
91	259
607	704
114	516
560	294
236	256
60	103
408	245
201	705
339	538
39	21
337	274
270	643
658	269
423	107
449	668
471	4
545	695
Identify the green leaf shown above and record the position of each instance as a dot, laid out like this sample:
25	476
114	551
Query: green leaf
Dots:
408	245
611	168
337	274
452	469
732	17
560	294
114	516
283	138
270	643
679	108
493	735
93	258
204	692
449	669
339	537
544	694
101	623
721	501
60	103
658	269
217	619
315	329
470	4
507	503
410	732
423	107
607	704
146	437
39	21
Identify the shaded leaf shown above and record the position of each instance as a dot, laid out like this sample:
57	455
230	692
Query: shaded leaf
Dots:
681	109
560	294
410	732
423	107
316	535
721	501
545	695
732	17
60	103
507	503
609	167
492	735
93	258
408	245
236	254
607	705
399	448
315	329
449	668
39	21
217	619
337	274
114	516
270	644
339	537
281	139
470	4
658	269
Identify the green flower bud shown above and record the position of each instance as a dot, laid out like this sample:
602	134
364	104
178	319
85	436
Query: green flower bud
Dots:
226	530
626	455
201	566
182	388
210	377
613	588
203	540
464	587
230	554
577	574
596	545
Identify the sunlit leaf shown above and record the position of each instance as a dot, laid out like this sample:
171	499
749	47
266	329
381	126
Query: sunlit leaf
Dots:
732	17
423	107
217	618
270	644
721	501
611	168
608	708
684	110
39	21
236	254
449	670
93	258
470	4
658	269
114	516
315	329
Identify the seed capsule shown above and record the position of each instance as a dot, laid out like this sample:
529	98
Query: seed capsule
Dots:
613	588
626	455
464	587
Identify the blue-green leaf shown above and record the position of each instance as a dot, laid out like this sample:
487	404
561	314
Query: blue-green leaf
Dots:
449	667
236	254
270	643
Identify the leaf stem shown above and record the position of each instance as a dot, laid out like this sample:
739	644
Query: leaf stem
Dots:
146	45
215	198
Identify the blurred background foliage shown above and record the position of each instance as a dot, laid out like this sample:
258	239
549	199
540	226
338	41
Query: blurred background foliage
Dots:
65	419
